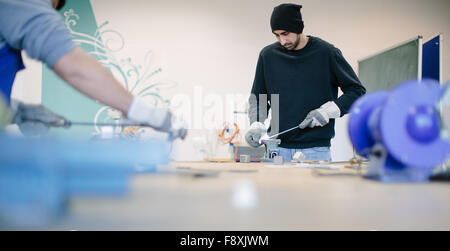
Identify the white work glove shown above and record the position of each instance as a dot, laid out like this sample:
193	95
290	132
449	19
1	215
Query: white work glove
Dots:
143	112
256	131
35	120
321	116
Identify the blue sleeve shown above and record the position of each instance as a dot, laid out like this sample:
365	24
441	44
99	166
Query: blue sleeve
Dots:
35	27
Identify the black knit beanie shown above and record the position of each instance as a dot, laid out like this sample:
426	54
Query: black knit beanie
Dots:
61	4
287	17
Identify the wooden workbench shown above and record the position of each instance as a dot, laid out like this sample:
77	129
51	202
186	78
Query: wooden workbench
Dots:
202	196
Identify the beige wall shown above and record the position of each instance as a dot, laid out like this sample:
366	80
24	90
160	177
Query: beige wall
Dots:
213	45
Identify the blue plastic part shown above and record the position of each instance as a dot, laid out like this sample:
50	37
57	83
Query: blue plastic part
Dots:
373	124
407	126
32	191
422	124
393	125
358	128
103	168
38	177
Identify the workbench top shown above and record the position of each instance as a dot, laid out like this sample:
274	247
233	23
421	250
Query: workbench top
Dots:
190	196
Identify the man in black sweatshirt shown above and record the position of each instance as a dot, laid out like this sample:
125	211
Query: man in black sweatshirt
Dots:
299	76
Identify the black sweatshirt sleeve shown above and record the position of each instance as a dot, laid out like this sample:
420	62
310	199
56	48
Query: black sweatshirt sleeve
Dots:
347	81
259	87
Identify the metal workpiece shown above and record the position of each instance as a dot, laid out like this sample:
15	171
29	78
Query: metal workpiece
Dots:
272	149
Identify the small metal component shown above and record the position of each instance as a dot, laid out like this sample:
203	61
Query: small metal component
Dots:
272	148
278	160
244	158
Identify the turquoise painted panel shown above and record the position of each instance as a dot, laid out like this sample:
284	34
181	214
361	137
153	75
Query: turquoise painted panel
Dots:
61	97
102	43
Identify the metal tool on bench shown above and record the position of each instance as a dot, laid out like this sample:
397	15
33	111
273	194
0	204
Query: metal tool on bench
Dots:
272	145
64	123
272	149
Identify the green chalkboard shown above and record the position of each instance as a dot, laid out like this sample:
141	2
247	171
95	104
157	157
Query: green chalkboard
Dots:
387	69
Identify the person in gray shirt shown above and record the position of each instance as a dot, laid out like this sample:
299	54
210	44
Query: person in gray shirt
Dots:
35	27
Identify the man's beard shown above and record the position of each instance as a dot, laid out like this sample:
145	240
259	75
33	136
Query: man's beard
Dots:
297	42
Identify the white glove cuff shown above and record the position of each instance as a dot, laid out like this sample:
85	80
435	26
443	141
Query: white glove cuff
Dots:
144	112
258	125
331	109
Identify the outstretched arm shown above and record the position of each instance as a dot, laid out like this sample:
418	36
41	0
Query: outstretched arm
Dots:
86	75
